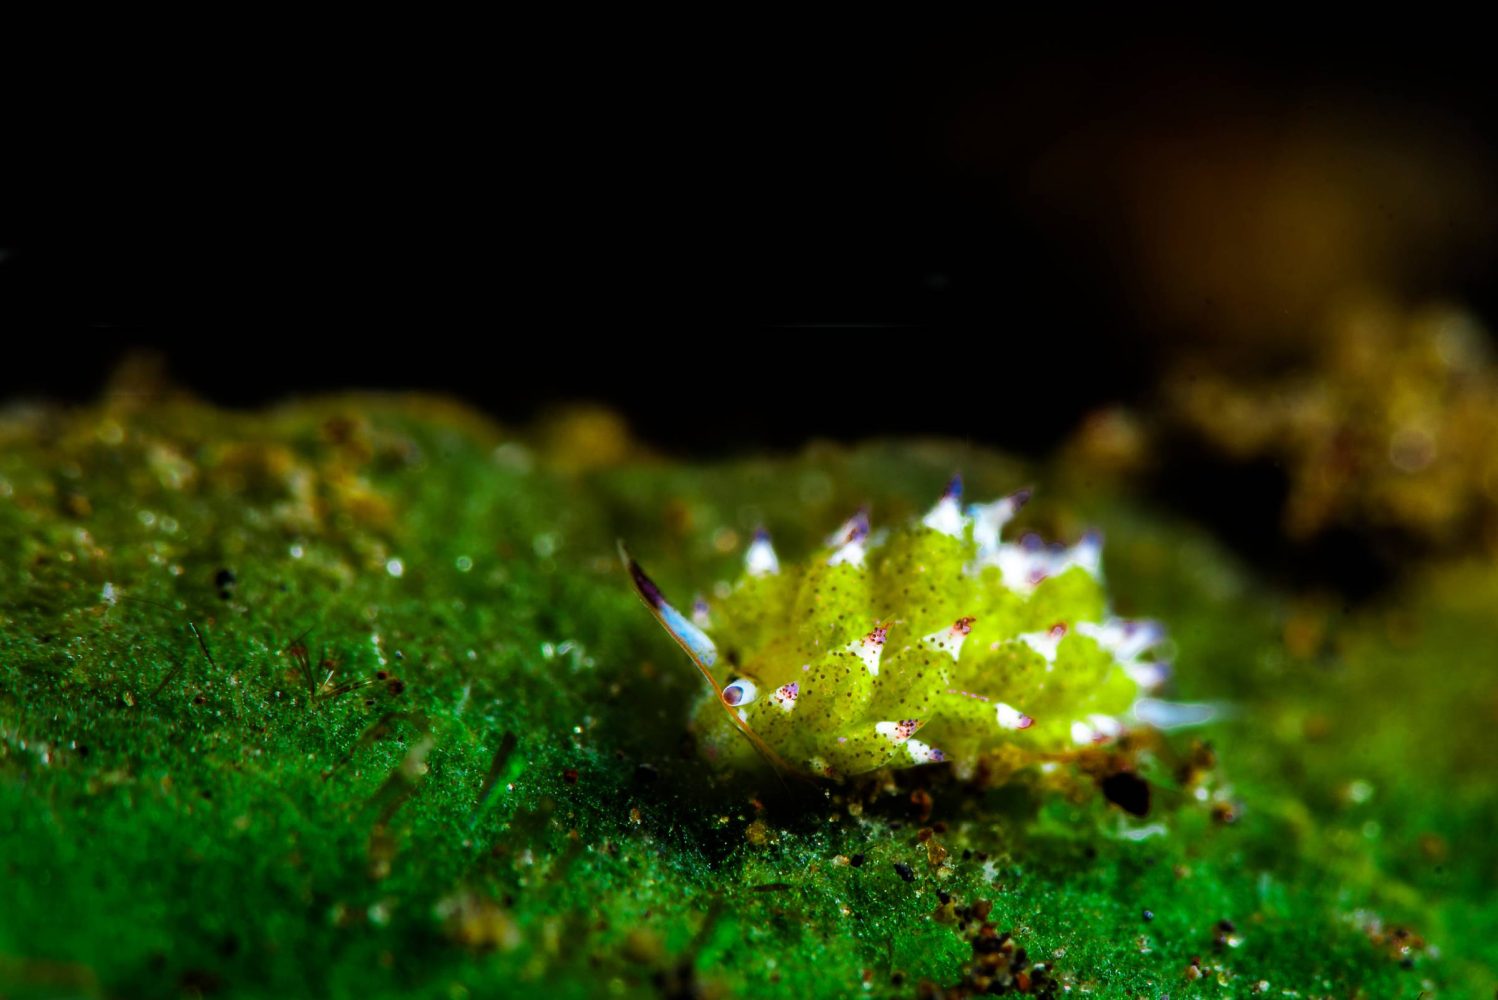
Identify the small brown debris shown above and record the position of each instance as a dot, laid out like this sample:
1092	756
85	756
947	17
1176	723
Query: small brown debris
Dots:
77	505
945	913
478	922
1226	813
1434	847
643	946
997	966
1398	943
1197	765
1225	935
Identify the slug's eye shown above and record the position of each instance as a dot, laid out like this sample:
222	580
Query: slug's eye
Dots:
740	692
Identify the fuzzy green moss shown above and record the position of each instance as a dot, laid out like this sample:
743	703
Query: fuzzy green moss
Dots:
494	794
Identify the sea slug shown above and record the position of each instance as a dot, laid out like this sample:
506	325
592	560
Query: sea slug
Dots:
928	642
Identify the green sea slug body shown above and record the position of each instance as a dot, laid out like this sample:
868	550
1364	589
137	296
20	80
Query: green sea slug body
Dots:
928	642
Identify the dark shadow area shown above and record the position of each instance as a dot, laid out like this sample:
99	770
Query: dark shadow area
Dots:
981	230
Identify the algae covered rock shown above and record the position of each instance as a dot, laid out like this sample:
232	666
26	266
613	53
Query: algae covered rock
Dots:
351	698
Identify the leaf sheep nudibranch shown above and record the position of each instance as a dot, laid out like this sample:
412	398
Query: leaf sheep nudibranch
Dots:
932	641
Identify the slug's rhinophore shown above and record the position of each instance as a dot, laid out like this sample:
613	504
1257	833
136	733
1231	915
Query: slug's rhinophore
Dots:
934	641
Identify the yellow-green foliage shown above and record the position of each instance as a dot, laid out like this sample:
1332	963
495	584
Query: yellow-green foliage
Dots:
933	628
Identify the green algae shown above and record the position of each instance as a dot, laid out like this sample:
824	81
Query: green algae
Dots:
494	793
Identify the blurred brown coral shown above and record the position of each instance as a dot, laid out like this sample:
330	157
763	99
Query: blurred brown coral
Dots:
1391	424
581	437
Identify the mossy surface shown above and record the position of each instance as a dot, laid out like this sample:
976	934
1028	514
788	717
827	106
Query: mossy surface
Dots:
495	792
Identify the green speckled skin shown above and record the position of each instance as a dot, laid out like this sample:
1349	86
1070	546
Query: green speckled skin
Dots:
803	625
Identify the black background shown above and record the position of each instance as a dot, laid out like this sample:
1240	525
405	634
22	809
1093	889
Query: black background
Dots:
740	234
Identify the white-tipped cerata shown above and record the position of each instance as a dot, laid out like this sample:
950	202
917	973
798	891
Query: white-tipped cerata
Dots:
1096	729
761	560
1010	717
1030	562
897	732
989	520
1128	641
1046	643
851	541
785	696
1107	725
950	640
946	516
851	554
870	648
1088	553
923	753
1149	675
853	528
